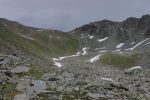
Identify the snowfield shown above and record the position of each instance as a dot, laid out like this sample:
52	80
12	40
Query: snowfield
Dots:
139	44
94	58
84	51
108	79
58	64
101	40
120	45
136	67
91	37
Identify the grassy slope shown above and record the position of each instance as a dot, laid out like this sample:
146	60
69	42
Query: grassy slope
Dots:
120	60
43	45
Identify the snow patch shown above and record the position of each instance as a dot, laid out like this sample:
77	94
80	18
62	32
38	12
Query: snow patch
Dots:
133	42
117	50
120	45
58	64
91	37
95	58
107	79
61	58
50	36
84	51
101	40
147	43
136	67
25	37
103	51
139	44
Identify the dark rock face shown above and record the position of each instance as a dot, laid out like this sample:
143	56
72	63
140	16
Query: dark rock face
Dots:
147	32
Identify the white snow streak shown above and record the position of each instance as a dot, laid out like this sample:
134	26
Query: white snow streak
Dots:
25	37
107	79
147	43
101	40
139	44
61	58
133	42
120	45
94	58
91	37
103	51
136	67
117	50
84	51
50	36
58	64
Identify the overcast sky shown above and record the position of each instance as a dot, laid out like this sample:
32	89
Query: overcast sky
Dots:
68	14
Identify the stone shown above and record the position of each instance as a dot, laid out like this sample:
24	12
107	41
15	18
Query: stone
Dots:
54	97
119	86
21	97
20	69
53	79
3	78
8	73
95	96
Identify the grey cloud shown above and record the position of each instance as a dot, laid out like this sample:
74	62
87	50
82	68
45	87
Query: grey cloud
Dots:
68	14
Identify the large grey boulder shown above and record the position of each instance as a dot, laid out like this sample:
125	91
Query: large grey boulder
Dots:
20	69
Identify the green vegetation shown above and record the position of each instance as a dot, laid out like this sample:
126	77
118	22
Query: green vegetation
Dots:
45	43
120	60
8	90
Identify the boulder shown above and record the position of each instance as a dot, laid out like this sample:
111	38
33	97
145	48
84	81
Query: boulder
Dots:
20	69
119	86
95	96
21	97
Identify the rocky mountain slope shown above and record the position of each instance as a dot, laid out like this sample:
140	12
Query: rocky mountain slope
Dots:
110	34
103	60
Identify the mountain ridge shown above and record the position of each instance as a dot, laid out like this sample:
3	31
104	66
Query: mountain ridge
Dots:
129	30
40	42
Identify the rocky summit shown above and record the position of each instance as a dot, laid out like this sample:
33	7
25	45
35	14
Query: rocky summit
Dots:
103	60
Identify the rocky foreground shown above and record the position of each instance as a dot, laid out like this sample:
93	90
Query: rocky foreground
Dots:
21	79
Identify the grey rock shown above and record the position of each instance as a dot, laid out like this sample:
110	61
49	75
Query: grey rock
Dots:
95	96
53	98
20	69
119	86
3	78
23	96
